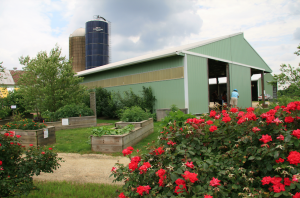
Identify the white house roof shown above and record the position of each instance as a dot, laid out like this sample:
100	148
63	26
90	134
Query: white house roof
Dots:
154	55
6	78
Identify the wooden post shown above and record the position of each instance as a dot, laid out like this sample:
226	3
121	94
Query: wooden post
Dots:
263	88
208	82
93	103
228	85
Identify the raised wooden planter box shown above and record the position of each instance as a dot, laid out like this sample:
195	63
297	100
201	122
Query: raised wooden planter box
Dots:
116	143
35	137
74	122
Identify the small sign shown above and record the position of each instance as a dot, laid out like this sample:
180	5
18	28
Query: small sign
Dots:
45	133
65	121
13	106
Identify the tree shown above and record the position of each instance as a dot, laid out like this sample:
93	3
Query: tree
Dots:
289	78
48	82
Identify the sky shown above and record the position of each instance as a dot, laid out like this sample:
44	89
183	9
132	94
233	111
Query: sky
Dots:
139	27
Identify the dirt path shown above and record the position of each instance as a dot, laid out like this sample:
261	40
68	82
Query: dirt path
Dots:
87	168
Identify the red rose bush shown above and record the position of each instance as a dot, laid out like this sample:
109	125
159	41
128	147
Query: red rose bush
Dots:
221	154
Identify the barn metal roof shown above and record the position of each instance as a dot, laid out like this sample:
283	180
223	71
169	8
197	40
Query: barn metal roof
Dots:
152	56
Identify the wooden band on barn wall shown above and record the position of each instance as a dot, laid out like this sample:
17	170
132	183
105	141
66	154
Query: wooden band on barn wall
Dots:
159	75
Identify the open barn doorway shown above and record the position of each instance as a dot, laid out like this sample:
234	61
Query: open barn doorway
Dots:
218	82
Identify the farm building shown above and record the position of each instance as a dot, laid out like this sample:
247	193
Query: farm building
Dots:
181	75
269	89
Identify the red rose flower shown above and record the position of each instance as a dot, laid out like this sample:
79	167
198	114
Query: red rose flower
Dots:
171	143
113	169
255	129
287	181
266	180
0	163
209	122
11	143
132	166
214	182
30	144
226	119
280	160
136	159
122	195
189	164
217	117
159	151
294	157
212	113
6	134
18	136
126	152
296	133
43	153
208	196
50	148
160	173
213	128
278	187
192	177
297	195
250	109
181	186
280	137
234	110
289	119
142	189
265	138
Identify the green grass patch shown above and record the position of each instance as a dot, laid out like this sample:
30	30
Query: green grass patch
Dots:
74	190
76	140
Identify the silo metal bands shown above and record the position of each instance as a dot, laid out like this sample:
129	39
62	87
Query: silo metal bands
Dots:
97	43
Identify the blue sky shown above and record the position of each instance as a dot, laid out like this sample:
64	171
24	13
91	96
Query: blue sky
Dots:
272	27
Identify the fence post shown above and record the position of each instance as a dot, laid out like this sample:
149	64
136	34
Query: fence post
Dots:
93	103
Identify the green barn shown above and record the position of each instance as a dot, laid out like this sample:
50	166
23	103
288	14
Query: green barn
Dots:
180	75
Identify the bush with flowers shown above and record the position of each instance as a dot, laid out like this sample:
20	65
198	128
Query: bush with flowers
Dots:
222	154
16	171
25	124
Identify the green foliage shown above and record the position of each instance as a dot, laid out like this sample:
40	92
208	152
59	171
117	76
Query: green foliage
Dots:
174	108
71	110
4	111
177	117
49	82
25	124
16	171
16	98
134	114
284	100
229	148
289	78
104	130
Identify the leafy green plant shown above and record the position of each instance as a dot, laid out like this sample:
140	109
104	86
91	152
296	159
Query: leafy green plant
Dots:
99	131
4	112
25	124
177	117
16	171
174	108
221	154
71	110
134	114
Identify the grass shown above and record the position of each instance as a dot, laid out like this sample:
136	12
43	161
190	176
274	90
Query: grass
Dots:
74	190
76	140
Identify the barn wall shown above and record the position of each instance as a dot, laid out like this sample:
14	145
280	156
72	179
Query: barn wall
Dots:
240	79
197	84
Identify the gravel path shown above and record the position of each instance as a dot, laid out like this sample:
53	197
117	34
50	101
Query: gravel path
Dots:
87	168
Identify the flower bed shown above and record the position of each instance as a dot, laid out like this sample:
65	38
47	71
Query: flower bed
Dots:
74	122
35	138
221	154
116	143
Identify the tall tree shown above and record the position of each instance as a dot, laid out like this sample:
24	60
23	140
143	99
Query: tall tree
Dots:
289	78
48	82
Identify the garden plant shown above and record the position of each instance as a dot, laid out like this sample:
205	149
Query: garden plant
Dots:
221	154
16	171
25	124
104	130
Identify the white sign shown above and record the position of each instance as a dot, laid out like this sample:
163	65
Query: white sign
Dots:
13	106
65	121
98	29
45	133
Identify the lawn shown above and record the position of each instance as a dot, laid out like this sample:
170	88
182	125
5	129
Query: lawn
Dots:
74	190
77	140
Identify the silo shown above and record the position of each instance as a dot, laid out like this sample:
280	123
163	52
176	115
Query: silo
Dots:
97	42
77	49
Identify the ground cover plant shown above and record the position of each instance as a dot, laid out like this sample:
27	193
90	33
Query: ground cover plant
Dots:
104	130
16	171
134	114
70	189
221	154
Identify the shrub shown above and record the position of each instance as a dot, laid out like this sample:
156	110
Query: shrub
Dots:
222	154
134	114
25	124
16	171
178	116
71	110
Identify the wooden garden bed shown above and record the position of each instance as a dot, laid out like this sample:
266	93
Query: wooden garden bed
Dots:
116	143
74	122
36	137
